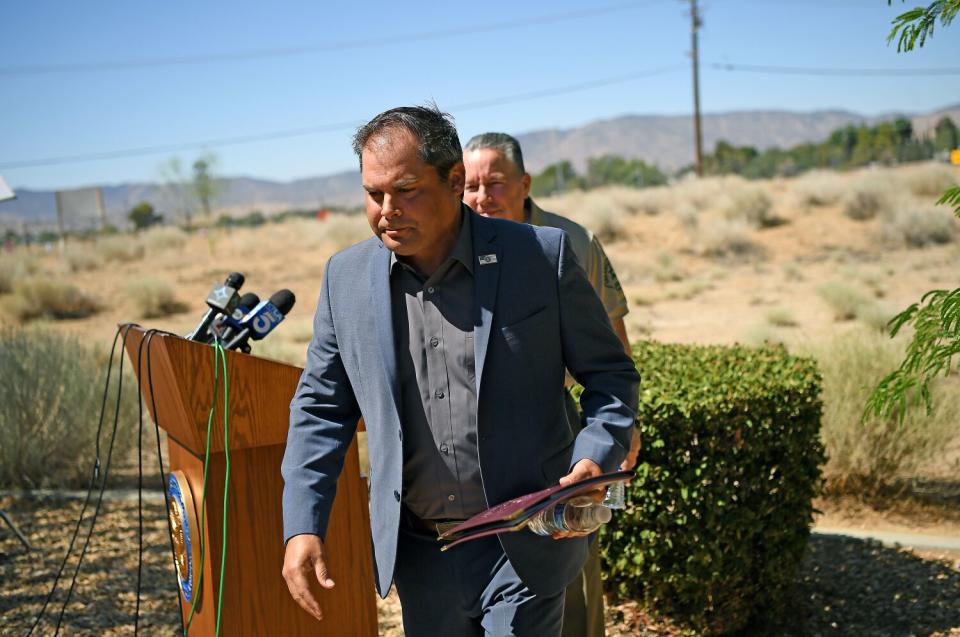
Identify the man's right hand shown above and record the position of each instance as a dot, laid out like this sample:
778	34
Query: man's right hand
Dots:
302	562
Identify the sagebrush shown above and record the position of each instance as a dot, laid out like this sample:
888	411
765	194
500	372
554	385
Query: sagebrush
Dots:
50	404
874	453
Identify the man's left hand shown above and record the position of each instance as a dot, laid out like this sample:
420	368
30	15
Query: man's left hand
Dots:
584	469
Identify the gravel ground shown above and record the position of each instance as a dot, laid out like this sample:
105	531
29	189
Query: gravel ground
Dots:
846	586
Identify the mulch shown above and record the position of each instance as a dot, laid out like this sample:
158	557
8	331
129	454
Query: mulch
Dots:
845	586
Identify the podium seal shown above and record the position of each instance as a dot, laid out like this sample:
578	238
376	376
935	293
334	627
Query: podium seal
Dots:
184	533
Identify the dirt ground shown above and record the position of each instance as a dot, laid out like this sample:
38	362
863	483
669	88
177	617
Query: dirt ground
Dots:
845	586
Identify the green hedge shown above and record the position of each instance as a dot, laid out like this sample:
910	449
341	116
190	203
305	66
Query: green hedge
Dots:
718	517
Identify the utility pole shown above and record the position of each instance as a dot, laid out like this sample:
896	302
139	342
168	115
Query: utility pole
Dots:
695	56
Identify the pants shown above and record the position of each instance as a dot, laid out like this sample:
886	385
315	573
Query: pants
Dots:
470	591
583	607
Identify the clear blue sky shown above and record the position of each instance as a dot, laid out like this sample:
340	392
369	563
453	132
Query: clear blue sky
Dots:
383	59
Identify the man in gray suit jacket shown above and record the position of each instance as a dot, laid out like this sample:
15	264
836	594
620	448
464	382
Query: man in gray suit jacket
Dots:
450	334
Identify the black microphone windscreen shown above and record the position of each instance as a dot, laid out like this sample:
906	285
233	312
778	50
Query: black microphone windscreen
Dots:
249	300
235	280
283	300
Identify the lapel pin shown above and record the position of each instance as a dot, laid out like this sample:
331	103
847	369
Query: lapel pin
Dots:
487	259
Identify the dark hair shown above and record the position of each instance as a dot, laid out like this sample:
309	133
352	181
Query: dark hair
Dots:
438	144
506	144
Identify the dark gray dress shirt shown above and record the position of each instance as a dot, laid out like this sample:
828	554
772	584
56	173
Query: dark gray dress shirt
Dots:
433	329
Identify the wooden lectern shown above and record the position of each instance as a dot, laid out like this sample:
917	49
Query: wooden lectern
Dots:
255	597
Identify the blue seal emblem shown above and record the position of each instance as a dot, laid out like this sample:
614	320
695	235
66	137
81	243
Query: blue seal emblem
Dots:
183	532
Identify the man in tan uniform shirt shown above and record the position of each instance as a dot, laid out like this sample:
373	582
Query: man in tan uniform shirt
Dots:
497	185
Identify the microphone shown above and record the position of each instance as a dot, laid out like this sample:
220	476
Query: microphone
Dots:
222	299
262	319
228	325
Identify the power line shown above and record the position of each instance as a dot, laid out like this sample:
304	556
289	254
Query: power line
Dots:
826	71
569	88
304	49
326	128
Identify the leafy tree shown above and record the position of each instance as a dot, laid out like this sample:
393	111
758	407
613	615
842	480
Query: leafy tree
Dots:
205	185
847	147
177	188
936	317
142	216
556	178
613	169
946	136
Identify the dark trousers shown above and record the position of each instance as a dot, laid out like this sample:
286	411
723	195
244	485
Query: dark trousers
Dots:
470	590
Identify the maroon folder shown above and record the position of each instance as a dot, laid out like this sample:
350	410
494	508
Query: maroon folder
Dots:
514	514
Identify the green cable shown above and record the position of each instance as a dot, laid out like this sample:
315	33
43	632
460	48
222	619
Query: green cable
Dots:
226	480
203	496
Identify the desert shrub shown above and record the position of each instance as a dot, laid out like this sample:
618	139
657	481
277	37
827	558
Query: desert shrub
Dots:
44	297
81	258
761	335
666	268
876	451
344	230
781	317
718	517
919	227
752	205
928	180
120	249
162	238
153	298
688	216
336	231
845	301
651	201
875	316
868	197
49	409
818	188
688	290
793	272
705	193
10	271
726	238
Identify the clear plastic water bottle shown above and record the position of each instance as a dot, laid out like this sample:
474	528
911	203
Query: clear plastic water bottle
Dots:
615	498
583	515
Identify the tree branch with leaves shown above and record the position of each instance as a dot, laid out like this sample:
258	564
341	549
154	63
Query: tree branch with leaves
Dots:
912	28
935	319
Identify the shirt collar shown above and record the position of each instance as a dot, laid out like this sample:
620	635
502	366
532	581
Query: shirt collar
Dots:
532	212
462	249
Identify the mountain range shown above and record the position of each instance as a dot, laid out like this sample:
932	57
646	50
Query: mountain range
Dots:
665	140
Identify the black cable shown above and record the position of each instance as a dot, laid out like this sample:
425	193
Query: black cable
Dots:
103	485
145	339
93	478
163	477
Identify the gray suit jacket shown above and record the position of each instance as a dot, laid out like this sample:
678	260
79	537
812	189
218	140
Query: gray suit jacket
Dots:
535	315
